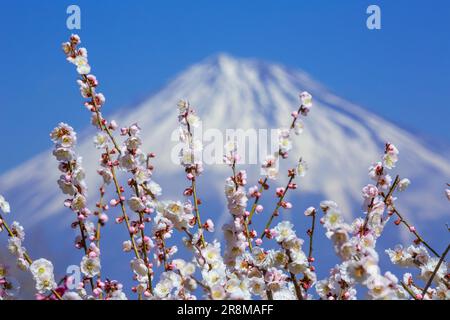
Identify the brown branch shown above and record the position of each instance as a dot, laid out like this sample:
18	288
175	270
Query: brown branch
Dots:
435	271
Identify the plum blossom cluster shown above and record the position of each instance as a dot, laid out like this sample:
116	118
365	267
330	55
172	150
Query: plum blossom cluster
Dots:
72	184
41	269
297	125
272	263
417	257
355	243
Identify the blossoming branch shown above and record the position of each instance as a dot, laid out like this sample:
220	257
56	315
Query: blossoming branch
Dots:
274	263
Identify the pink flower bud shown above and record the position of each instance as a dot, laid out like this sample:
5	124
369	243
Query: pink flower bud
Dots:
190	176
119	220
294	114
259	208
147	293
97	292
209	225
148	210
114	202
258	241
92	255
279	191
288	205
310	211
113	125
412	229
419	296
104	218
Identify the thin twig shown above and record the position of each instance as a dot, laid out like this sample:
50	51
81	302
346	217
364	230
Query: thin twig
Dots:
411	293
275	212
25	255
298	290
435	271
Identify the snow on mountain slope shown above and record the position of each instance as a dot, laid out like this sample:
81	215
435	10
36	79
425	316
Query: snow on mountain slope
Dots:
341	140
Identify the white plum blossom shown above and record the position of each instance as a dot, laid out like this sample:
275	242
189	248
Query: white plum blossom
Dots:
284	141
18	230
82	65
90	266
154	188
140	269
302	167
79	202
400	256
42	271
40	267
299	127
127	246
332	219
391	156
101	140
178	213
283	231
15	246
404	184
136	204
306	99
218	292
212	253
270	167
310	211
4	205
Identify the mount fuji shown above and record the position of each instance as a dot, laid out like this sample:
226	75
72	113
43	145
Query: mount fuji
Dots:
340	141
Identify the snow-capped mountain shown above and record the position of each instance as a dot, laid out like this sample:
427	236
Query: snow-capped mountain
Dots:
340	141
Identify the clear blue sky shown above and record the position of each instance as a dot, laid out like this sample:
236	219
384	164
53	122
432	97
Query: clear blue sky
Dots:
401	72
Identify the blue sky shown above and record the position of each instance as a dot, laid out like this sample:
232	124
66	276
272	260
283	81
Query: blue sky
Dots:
401	72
